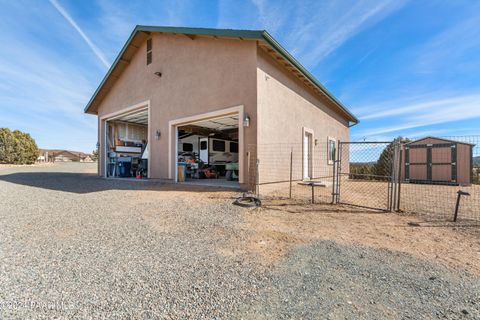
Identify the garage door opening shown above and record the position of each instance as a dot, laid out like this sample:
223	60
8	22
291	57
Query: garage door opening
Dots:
126	143
208	152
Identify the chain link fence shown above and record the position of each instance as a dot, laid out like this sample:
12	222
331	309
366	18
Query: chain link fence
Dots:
370	179
289	171
434	171
422	177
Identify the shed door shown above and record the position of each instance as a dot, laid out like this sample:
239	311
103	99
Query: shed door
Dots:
417	164
441	162
431	163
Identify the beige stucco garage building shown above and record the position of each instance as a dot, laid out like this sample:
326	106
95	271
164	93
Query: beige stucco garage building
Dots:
179	101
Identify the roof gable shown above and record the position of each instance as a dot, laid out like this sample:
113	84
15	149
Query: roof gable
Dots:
141	33
441	139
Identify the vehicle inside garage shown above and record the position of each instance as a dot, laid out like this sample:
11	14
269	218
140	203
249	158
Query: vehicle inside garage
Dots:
127	145
207	152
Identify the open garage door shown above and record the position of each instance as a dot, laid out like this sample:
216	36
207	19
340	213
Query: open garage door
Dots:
207	151
126	145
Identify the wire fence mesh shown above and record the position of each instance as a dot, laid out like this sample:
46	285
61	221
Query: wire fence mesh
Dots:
369	182
434	171
422	177
289	170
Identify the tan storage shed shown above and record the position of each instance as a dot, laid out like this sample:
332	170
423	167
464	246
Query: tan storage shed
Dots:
433	160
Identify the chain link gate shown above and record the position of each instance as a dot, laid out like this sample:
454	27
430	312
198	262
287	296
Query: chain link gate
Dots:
366	174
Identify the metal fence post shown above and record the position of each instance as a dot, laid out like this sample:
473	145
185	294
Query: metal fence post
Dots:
333	176
257	179
339	170
291	173
393	177
313	192
400	159
460	193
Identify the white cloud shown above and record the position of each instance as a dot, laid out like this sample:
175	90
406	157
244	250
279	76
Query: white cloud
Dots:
389	136
271	17
309	29
44	90
89	42
450	46
397	108
426	113
323	27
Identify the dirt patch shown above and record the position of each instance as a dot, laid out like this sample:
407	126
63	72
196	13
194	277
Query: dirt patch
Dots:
271	232
280	225
89	170
272	244
432	201
19	166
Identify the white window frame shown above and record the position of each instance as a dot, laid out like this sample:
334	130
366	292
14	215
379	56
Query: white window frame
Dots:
331	139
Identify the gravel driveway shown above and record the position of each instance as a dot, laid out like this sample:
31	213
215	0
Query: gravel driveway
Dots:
74	245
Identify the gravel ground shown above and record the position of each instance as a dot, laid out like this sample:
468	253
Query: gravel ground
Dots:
331	281
74	245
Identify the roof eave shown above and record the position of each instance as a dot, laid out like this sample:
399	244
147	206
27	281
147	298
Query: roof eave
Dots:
261	35
247	34
282	51
112	66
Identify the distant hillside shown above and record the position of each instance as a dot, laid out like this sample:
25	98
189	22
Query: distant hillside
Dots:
64	155
58	151
476	161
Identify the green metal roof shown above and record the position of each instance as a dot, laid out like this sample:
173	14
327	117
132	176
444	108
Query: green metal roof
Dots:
260	35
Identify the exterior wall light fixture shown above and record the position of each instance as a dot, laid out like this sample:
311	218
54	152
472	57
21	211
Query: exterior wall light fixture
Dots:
246	120
157	134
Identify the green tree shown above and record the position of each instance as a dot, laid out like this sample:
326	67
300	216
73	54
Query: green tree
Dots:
17	147
26	149
383	167
7	146
361	171
95	155
476	175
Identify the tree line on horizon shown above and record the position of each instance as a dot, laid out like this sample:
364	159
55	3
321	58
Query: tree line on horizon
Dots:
382	168
17	147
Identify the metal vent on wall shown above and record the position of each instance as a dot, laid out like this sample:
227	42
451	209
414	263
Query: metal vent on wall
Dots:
149	45
149	51
149	57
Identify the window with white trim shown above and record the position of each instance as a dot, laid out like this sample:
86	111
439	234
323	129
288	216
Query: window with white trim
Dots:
331	149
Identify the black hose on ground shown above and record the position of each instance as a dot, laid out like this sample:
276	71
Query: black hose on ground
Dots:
248	202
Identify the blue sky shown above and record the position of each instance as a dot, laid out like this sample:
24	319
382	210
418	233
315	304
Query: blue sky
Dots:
407	68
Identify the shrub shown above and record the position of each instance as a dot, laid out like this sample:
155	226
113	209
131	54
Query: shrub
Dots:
95	155
476	175
17	147
7	146
383	167
362	171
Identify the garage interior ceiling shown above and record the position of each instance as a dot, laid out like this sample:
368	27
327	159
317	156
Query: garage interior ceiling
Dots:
140	117
220	124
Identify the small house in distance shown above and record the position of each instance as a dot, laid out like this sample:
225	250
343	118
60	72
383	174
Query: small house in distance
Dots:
55	155
433	160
